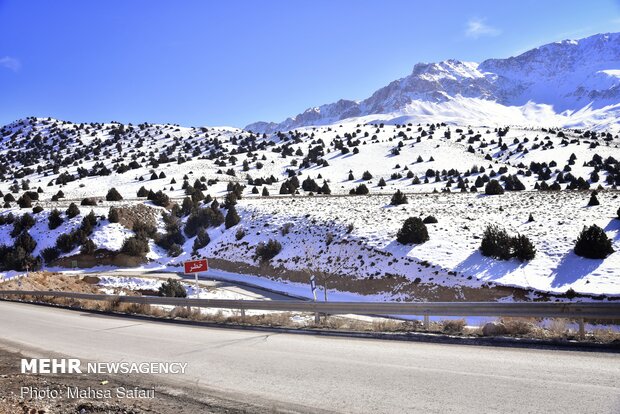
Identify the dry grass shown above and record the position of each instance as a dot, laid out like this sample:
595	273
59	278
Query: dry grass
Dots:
519	326
136	308
345	324
558	327
112	304
453	326
270	319
391	325
49	281
182	312
605	335
281	319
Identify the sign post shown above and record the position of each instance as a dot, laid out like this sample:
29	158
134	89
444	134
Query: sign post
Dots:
195	267
313	287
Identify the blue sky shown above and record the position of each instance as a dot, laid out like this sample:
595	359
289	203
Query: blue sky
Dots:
235	62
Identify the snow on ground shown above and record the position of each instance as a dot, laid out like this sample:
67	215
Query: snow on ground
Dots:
376	145
110	236
454	241
111	285
132	283
361	229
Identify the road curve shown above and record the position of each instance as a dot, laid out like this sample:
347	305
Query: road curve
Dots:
301	373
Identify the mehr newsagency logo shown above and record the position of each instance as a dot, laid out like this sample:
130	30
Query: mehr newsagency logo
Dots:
72	366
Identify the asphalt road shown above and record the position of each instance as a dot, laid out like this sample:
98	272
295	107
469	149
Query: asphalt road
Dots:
300	373
245	290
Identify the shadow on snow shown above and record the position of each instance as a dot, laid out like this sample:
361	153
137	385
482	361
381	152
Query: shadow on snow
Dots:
572	268
487	268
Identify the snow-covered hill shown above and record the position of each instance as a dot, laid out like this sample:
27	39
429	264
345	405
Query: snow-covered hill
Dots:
302	180
572	83
85	160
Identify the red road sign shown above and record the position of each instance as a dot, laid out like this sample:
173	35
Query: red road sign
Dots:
196	266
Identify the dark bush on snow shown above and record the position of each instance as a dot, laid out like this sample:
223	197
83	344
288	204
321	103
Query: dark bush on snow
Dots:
135	246
17	258
170	238
522	248
72	211
498	244
26	242
7	219
173	289
413	231
202	239
430	220
54	220
25	222
88	222
142	192
144	230
398	198
493	188
50	254
232	217
113	195
359	190
267	251
593	200
64	243
89	201
203	217
161	199
240	234
175	250
113	216
593	243
88	247
24	201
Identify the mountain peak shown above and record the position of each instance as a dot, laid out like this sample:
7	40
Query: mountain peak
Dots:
566	75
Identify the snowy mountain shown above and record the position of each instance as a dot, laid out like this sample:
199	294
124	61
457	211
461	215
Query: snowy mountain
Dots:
572	83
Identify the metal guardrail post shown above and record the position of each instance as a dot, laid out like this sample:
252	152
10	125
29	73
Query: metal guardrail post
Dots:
582	329
427	321
317	315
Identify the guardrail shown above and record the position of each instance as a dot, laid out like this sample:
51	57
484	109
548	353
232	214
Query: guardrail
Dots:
572	310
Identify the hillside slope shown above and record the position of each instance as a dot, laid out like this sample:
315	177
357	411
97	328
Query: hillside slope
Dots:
295	189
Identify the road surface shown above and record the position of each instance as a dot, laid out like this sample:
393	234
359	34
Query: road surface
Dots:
245	290
301	373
